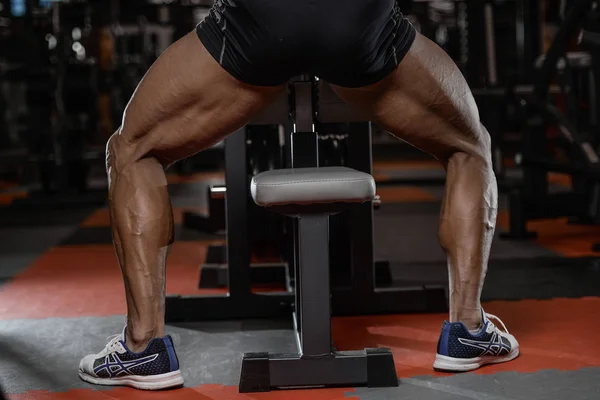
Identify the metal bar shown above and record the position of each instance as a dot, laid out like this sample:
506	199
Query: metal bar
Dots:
361	217
225	308
529	35
570	25
296	321
359	147
521	40
297	282
304	140
314	311
305	150
419	299
303	106
490	43
236	204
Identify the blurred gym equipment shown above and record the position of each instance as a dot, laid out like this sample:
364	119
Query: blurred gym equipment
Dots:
471	32
85	59
264	151
61	106
497	89
574	129
499	46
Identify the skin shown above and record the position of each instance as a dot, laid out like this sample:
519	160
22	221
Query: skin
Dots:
187	102
440	117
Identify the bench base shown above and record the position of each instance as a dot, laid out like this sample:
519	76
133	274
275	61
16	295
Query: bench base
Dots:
262	372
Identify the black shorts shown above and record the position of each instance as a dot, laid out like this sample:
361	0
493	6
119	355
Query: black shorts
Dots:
350	43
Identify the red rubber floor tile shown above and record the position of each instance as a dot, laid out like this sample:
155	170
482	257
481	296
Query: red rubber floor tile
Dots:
558	235
404	194
205	392
541	327
68	281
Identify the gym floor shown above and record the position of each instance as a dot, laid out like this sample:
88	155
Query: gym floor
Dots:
61	295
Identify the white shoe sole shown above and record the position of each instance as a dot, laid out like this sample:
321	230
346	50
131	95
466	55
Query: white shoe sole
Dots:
153	382
444	363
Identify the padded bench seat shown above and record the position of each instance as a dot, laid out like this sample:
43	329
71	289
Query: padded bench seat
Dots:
304	186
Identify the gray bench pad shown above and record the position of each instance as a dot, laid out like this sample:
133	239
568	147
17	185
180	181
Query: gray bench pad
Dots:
312	185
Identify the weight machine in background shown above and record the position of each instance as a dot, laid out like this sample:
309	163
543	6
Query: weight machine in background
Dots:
61	83
84	60
142	30
469	31
562	140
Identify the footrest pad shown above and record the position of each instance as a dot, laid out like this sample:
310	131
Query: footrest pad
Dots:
303	186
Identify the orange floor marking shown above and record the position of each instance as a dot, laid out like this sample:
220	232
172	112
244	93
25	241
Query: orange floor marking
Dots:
5	185
567	240
68	282
560	179
381	176
8	198
100	217
204	392
404	194
542	328
75	281
85	281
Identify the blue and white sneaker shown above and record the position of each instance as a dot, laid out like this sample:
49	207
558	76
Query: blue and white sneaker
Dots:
155	368
461	350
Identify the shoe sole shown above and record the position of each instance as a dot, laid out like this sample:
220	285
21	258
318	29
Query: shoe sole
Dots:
151	382
450	364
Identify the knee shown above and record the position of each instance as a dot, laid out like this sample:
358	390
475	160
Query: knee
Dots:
475	152
119	153
485	142
124	157
112	147
466	163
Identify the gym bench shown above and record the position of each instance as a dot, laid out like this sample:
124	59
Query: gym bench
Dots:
308	104
311	195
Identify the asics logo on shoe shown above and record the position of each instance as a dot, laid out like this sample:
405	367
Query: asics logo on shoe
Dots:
494	347
116	367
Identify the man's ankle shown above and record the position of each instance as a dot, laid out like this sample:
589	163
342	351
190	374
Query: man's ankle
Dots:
473	325
472	320
137	343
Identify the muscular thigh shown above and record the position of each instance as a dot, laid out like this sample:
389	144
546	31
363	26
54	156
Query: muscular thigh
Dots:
425	101
187	102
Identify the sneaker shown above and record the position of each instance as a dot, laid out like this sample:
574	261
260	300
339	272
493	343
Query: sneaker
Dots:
155	368
461	350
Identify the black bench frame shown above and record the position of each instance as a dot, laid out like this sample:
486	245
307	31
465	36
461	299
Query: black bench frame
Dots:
361	296
315	364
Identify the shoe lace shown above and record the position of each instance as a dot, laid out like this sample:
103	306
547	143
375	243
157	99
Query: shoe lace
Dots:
113	340
495	318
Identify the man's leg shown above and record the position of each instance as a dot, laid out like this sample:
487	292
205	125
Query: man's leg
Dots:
427	102
185	103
